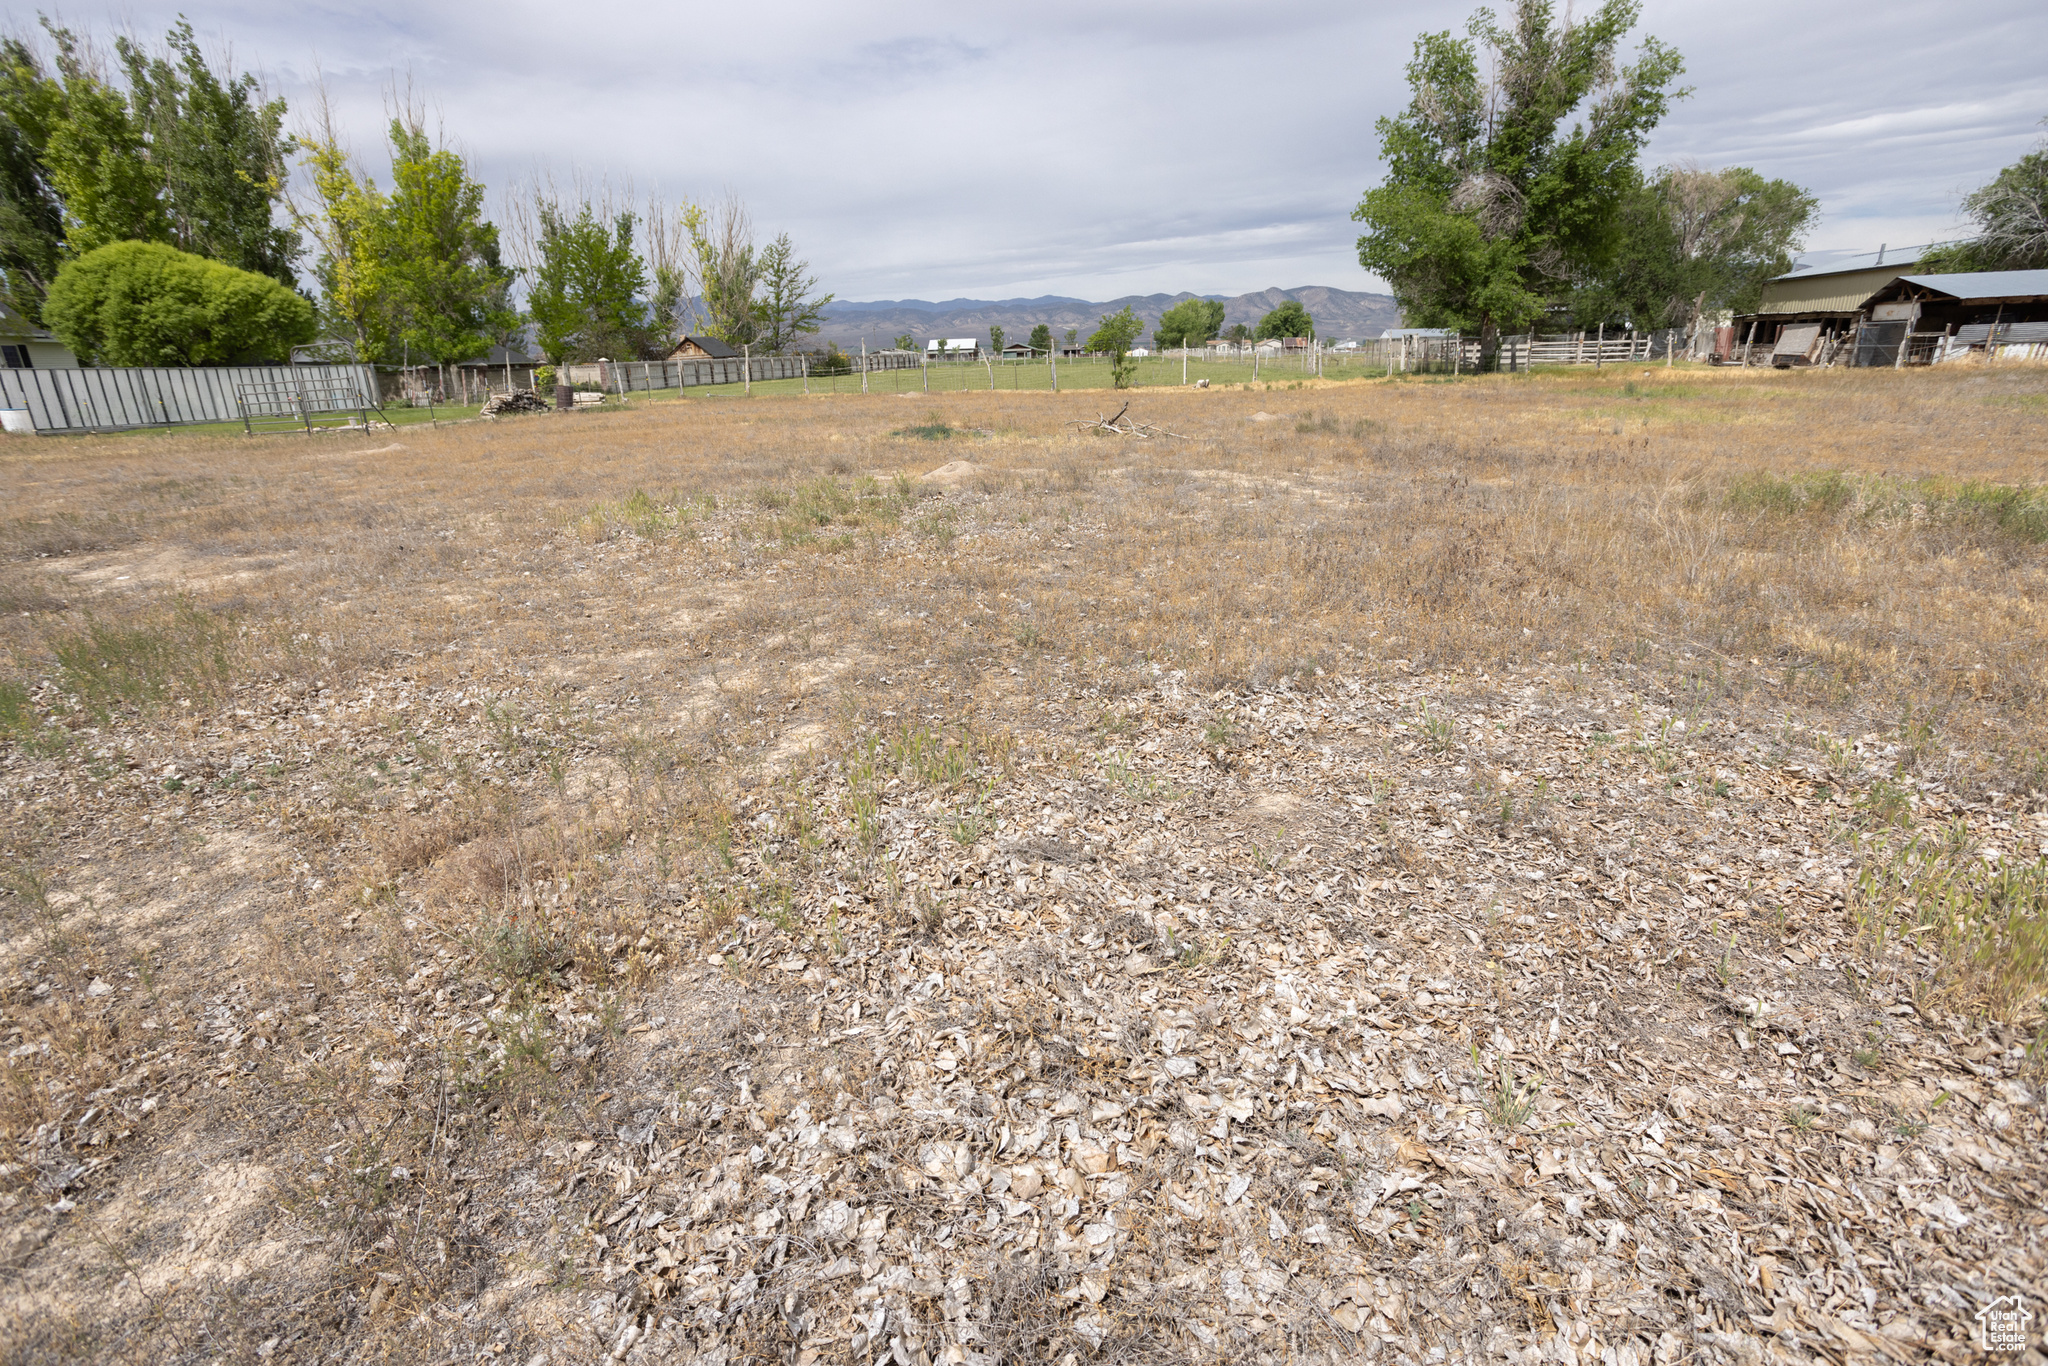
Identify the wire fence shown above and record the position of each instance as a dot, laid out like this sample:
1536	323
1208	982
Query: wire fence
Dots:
1229	364
116	398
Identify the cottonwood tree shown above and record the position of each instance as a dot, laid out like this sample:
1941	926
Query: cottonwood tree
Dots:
1041	337
31	210
1189	323
1490	211
161	147
1697	240
1116	336
92	147
995	339
221	151
668	267
725	268
1288	320
2011	214
787	309
906	342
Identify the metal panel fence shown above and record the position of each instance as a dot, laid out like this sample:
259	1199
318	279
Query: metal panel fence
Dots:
110	398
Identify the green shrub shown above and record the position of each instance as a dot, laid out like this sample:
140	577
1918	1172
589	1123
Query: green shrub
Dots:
144	303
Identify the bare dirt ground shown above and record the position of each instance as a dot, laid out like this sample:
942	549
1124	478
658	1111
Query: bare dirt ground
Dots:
1519	869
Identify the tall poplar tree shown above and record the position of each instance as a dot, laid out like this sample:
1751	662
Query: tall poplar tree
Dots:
161	148
345	220
220	152
31	211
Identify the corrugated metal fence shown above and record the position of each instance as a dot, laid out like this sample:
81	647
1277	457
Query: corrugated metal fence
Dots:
109	398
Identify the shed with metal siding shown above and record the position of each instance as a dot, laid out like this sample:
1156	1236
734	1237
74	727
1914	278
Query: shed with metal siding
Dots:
1840	293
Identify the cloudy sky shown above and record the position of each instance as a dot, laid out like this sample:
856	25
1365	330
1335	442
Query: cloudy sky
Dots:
936	151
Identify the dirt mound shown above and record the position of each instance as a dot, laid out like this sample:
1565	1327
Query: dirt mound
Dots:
953	473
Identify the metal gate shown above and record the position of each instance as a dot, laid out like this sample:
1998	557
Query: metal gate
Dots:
298	401
1878	343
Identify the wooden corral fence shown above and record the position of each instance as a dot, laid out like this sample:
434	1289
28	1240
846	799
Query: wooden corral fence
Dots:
1453	355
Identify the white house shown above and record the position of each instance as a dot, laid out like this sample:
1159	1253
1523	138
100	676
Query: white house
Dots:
952	348
31	348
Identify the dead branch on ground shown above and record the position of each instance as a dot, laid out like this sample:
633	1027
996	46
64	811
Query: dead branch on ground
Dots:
1118	424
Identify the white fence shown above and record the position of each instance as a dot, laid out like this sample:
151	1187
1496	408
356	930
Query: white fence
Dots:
1452	354
120	398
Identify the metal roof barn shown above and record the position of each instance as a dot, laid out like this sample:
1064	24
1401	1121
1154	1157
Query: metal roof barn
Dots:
1972	287
1824	291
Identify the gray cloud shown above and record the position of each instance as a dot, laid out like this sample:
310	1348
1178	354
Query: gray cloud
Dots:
1091	150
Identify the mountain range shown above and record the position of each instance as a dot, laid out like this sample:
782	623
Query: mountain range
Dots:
1338	313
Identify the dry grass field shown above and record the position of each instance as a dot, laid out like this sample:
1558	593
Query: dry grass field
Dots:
1523	868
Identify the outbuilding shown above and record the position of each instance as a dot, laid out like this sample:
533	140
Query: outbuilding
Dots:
703	348
2003	313
1805	315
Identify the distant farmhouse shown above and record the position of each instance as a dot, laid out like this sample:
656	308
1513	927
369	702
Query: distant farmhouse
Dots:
952	348
1021	351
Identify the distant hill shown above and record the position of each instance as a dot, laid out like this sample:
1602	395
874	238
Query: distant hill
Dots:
1338	313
